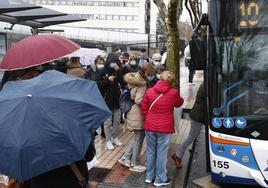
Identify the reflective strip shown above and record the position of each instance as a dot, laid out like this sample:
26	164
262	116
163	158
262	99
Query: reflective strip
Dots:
224	141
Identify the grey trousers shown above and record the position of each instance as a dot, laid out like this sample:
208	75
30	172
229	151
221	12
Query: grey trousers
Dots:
134	150
194	132
111	125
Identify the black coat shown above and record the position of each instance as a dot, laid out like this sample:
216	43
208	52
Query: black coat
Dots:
100	77
60	177
199	111
113	89
153	82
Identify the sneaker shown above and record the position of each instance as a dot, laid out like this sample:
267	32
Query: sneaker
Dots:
149	181
169	181
116	141
137	168
109	145
177	161
124	162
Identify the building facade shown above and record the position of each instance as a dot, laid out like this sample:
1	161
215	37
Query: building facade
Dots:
130	16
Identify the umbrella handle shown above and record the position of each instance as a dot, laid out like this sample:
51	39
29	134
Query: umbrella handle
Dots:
78	175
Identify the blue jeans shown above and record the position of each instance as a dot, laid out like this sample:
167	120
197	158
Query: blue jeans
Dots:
157	151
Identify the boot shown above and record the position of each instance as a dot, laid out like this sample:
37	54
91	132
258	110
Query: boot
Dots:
177	160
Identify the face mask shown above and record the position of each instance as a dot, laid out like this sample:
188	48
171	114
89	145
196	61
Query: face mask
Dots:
158	76
150	78
157	63
112	65
133	63
100	66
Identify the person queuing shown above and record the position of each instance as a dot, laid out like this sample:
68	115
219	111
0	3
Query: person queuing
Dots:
137	84
125	57
143	57
132	66
197	115
74	67
158	108
96	72
157	64
187	61
112	84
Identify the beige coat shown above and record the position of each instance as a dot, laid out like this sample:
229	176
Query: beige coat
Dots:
137	86
75	69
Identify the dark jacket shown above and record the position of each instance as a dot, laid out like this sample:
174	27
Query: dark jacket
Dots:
131	69
199	111
60	177
112	89
100	77
153	81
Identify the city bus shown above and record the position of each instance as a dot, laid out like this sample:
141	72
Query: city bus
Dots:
236	80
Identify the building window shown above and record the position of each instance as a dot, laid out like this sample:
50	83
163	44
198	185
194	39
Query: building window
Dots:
130	18
122	17
109	17
96	16
135	18
115	17
102	17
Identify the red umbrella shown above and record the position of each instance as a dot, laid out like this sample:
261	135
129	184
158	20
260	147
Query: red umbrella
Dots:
37	50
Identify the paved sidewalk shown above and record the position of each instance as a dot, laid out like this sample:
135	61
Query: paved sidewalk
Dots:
110	173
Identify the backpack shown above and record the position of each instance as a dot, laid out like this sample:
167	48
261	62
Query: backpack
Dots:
125	101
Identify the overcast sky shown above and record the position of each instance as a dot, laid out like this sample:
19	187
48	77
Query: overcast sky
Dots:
185	15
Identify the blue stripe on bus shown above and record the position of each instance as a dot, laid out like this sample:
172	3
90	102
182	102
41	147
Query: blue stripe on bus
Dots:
241	151
233	180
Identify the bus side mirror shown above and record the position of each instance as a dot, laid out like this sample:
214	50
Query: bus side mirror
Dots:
198	53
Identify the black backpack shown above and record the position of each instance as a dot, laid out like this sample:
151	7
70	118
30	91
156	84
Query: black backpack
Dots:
125	101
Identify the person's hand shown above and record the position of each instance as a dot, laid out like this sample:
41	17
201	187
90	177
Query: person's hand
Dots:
116	67
111	78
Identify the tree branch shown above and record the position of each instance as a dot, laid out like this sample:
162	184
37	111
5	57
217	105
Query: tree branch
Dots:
162	9
190	12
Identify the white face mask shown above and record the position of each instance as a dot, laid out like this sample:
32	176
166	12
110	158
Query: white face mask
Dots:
157	63
100	66
133	63
158	76
112	65
150	78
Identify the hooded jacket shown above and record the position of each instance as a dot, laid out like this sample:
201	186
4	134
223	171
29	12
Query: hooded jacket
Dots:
137	86
160	118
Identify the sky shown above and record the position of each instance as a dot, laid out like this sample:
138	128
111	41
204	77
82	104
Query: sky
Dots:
185	15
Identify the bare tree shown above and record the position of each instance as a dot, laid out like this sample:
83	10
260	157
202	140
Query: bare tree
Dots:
194	8
169	16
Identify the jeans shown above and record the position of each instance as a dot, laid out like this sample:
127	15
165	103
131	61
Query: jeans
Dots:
157	151
134	150
194	132
191	75
111	125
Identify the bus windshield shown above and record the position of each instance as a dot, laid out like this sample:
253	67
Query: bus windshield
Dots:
243	75
241	82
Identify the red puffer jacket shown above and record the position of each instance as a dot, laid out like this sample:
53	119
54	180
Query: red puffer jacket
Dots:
160	118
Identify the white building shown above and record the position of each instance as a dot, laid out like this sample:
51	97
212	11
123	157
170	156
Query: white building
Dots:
112	15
